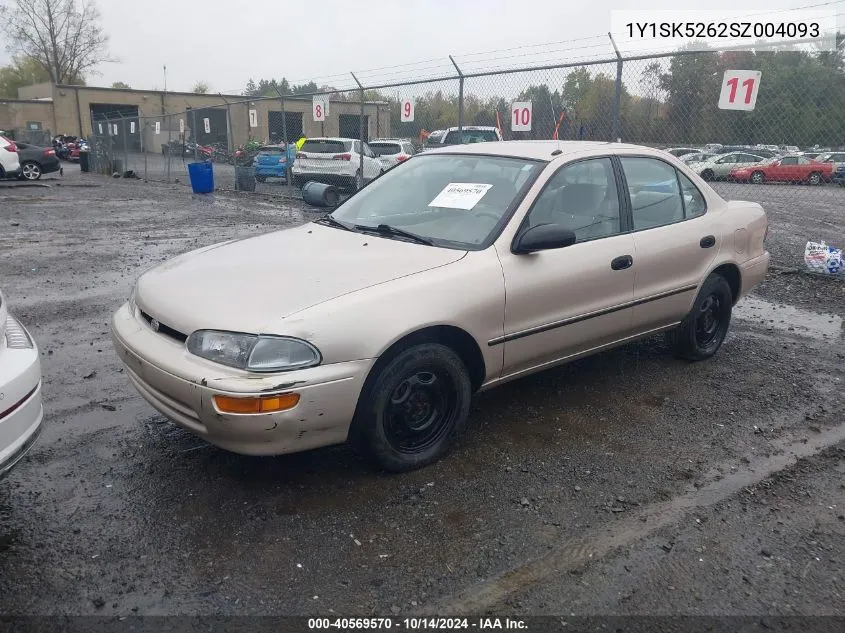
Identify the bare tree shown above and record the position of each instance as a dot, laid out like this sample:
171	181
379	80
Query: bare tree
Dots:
63	36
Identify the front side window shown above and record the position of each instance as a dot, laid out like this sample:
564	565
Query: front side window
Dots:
455	201
581	197
655	196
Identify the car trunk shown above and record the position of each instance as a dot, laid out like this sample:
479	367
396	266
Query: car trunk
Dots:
322	155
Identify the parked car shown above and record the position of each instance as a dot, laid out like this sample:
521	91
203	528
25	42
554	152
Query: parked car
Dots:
836	158
335	161
392	308
21	411
785	169
839	175
10	165
789	148
36	161
467	134
719	166
272	161
697	157
392	151
681	151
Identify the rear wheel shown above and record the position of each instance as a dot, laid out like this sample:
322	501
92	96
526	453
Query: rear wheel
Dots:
707	174
758	178
815	178
701	333
30	171
413	408
261	179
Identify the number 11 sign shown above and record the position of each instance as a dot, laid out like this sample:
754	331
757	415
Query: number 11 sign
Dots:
739	89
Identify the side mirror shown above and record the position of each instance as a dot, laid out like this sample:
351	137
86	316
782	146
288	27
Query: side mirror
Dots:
543	237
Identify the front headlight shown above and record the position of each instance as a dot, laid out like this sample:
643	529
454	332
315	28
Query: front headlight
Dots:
253	353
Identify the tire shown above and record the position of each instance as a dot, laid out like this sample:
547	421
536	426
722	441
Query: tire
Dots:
708	175
702	332
261	179
412	408
30	170
758	178
814	178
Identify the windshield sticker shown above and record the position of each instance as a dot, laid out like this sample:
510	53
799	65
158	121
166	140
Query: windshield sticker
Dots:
460	195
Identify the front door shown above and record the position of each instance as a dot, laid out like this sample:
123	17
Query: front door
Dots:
562	302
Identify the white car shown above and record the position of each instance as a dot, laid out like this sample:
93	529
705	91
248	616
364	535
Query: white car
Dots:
21	411
392	151
696	157
837	158
461	136
335	161
720	165
10	164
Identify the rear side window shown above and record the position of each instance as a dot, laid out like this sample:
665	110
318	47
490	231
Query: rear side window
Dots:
320	146
694	204
385	149
655	195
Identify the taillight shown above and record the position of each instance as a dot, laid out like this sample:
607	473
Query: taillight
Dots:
402	157
11	147
342	157
282	161
49	152
300	155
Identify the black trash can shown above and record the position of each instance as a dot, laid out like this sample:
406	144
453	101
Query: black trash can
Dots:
245	177
84	165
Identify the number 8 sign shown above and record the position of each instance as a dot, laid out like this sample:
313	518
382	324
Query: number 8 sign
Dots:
319	108
406	113
739	89
521	116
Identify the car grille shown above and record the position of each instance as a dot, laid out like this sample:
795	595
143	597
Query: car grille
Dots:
164	329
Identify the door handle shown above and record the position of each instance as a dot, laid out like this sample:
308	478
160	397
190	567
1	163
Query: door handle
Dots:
623	262
707	241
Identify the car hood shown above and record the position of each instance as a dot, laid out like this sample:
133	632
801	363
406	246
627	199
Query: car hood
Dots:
249	285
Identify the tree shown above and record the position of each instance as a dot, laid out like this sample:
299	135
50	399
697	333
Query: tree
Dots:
201	88
121	84
63	36
19	74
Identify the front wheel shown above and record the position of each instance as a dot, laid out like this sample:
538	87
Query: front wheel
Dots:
413	408
701	333
708	175
815	178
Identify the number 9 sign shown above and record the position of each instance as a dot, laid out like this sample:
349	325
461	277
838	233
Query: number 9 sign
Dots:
406	110
521	115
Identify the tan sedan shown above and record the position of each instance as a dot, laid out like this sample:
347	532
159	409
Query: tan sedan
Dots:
458	270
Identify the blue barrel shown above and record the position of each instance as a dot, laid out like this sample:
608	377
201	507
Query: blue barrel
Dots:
201	176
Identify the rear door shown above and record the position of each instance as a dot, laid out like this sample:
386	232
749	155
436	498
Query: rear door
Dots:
675	240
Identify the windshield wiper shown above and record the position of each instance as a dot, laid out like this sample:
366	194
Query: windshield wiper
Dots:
386	229
328	220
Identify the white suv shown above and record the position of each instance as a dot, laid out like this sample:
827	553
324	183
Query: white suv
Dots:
335	161
392	151
21	411
10	164
468	134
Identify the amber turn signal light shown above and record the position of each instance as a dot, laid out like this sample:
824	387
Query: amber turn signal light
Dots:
263	404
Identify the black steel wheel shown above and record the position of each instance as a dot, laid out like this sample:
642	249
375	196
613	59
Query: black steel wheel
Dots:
702	332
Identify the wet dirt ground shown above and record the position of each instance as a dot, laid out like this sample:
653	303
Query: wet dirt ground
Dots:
629	482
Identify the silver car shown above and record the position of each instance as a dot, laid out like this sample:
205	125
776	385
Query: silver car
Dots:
719	166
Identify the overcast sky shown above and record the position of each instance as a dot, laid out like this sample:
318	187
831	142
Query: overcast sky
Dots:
225	42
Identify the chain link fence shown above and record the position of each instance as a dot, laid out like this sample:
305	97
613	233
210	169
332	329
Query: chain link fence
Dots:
668	101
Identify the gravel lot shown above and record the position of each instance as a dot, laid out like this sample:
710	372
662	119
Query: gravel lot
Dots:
626	483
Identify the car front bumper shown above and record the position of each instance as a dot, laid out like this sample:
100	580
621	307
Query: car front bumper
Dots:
182	387
21	410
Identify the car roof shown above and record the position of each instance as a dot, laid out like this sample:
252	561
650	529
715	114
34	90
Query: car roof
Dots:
542	150
471	127
329	138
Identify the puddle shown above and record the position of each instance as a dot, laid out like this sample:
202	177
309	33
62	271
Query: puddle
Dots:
817	325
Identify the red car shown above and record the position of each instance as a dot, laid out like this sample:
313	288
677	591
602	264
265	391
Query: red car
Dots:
785	169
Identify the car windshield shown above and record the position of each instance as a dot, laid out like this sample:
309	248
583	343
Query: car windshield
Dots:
455	201
454	137
323	146
385	149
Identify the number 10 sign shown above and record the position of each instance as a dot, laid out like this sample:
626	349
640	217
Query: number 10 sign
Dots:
739	89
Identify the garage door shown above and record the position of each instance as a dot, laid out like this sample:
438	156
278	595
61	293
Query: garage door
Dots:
291	120
119	122
349	126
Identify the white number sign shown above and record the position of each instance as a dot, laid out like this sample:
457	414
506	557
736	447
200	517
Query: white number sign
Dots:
181	126
115	129
100	127
521	115
207	125
318	105
406	113
158	127
253	118
132	127
739	89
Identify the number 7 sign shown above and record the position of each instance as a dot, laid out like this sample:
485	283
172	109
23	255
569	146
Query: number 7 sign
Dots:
739	89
